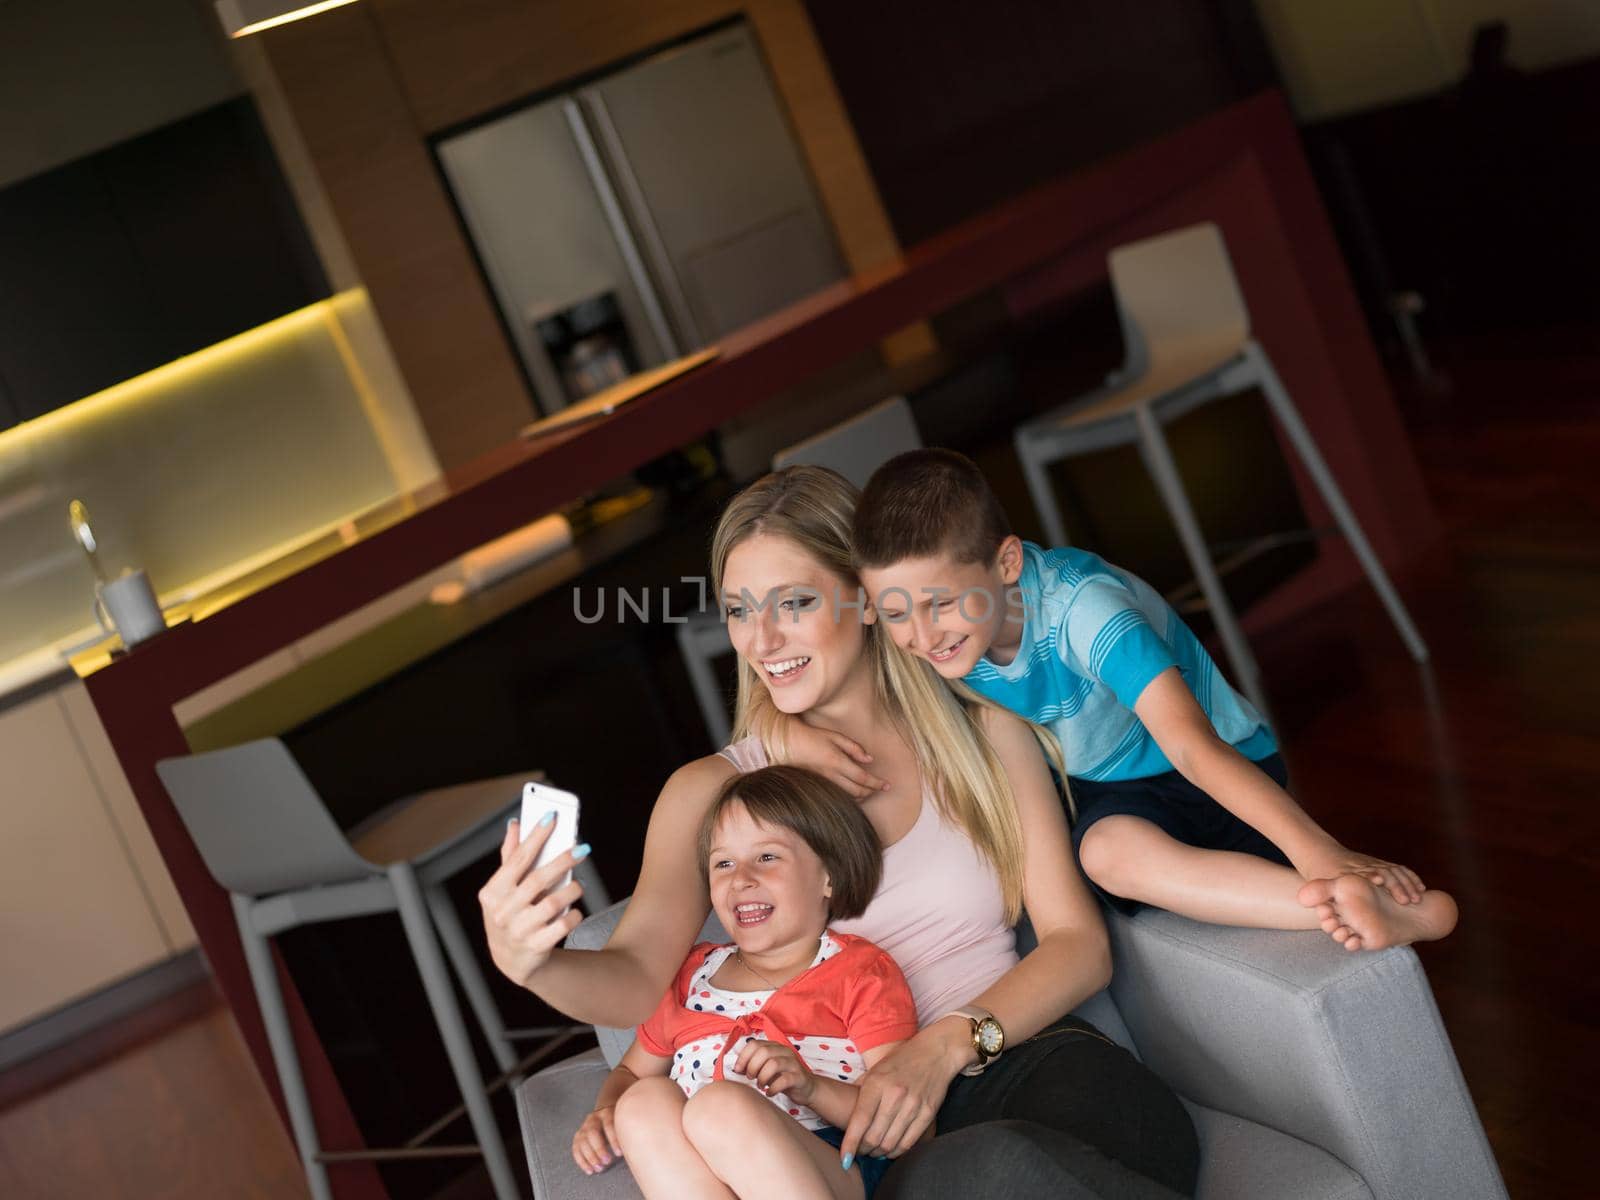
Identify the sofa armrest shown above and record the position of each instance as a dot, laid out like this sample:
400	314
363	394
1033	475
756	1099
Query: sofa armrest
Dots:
550	1107
1345	1051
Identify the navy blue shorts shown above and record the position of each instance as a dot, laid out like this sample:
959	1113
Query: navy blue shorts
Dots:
872	1169
1179	809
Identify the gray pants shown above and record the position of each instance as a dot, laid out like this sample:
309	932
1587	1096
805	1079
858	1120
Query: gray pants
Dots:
1066	1114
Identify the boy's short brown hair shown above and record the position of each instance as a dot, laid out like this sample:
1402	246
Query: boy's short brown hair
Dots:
825	818
927	502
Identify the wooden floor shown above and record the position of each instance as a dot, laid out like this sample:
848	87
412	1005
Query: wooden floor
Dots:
1483	773
182	1116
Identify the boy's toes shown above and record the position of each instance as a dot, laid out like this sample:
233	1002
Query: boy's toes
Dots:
1330	923
1315	892
1347	936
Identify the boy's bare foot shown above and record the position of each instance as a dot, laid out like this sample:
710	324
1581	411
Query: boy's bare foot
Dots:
1361	916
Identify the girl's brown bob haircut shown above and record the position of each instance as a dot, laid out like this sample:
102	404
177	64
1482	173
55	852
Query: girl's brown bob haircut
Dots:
822	814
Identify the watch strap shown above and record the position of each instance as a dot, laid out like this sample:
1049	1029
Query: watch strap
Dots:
975	1015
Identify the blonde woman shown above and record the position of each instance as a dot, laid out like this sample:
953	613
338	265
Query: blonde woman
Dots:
1026	1100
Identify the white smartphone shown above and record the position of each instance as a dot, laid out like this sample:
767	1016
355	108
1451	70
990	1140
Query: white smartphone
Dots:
538	799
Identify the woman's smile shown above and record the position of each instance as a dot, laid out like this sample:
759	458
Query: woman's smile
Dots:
783	620
785	671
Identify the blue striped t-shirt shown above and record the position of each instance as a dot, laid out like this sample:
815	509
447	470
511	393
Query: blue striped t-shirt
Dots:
1093	637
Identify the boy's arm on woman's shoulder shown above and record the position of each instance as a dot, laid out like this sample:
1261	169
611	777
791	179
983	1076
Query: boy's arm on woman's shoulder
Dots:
825	751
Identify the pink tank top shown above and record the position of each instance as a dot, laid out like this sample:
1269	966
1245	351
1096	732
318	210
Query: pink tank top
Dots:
939	911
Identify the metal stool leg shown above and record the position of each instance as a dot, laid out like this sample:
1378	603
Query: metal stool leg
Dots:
264	974
447	1015
1306	448
459	951
1164	472
1034	470
713	705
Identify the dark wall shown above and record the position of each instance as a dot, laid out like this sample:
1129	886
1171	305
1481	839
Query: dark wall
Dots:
959	106
1482	198
155	248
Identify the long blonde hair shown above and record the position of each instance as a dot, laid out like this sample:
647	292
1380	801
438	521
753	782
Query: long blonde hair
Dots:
811	507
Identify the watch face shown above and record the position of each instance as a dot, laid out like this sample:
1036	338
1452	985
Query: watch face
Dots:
991	1038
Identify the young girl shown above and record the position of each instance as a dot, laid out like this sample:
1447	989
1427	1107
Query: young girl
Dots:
790	1011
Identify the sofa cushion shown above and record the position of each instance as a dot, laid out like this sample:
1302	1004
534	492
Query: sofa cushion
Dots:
550	1107
1240	1160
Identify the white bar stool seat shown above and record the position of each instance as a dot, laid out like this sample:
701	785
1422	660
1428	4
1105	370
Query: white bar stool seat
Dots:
1187	332
267	837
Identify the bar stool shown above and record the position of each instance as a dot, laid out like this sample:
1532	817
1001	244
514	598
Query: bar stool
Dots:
1187	332
855	447
267	837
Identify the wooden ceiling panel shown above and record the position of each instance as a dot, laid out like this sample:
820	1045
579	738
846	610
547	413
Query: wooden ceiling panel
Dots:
490	53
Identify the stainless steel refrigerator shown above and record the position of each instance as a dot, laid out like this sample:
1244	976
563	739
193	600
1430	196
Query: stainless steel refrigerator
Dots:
642	216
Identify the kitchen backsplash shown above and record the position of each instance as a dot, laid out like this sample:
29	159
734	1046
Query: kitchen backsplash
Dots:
203	463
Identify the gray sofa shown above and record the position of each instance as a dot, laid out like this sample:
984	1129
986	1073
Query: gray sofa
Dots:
1311	1073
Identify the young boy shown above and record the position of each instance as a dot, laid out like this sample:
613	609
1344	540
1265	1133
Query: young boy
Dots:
1178	785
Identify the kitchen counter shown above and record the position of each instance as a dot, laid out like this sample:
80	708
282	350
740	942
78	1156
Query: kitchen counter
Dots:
1241	167
404	628
88	649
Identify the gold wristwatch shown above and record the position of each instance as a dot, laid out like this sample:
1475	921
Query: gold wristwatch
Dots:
988	1038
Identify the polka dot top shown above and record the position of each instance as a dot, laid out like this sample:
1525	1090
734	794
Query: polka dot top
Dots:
850	988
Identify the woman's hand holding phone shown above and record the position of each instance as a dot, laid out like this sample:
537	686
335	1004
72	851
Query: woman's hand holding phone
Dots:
528	910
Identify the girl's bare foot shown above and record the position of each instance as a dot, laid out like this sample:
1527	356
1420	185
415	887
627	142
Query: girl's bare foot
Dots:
1361	916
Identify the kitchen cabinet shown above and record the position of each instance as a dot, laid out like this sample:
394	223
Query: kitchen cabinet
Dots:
123	809
84	897
75	312
719	179
213	224
8	411
139	254
672	204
